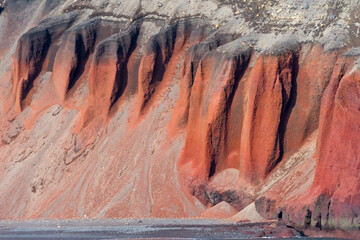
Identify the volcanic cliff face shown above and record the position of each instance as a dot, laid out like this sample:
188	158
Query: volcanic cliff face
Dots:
164	109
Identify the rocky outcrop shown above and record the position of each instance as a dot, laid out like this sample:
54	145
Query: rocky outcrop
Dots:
108	73
160	49
212	93
265	114
314	69
291	89
31	51
77	44
189	66
207	148
327	202
337	155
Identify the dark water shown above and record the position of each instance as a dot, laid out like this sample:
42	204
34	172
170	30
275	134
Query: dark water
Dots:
139	229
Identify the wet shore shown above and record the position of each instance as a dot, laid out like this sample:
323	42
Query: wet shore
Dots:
144	228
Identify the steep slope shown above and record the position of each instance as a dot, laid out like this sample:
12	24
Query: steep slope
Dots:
147	109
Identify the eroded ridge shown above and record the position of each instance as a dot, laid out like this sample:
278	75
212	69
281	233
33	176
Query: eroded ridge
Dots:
77	44
108	73
31	52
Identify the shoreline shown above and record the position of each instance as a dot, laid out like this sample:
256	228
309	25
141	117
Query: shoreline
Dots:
153	226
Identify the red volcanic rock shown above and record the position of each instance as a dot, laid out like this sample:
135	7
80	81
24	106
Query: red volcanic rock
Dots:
327	204
313	68
108	73
31	51
338	148
212	92
189	68
159	50
269	94
77	44
29	62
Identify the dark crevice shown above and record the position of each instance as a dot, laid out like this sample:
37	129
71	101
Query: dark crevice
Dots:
287	107
82	56
241	66
192	71
212	167
242	63
307	220
163	56
318	222
163	50
159	67
36	59
121	78
328	214
52	54
157	74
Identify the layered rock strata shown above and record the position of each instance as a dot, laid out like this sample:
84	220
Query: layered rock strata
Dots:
114	115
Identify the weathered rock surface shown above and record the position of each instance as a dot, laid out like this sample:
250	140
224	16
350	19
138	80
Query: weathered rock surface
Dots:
31	51
76	46
108	73
159	51
137	109
211	96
